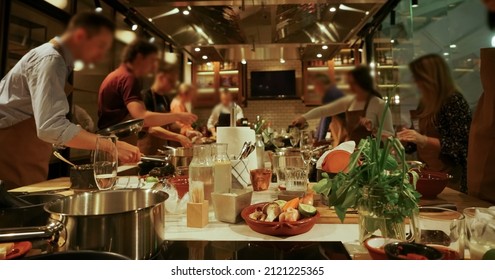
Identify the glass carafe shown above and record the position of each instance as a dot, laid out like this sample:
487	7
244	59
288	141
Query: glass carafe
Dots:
201	170
222	169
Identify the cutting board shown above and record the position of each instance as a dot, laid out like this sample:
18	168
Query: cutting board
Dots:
50	185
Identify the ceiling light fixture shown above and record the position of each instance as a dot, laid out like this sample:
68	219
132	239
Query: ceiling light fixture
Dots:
134	27
189	61
360	50
185	12
324	47
208	63
150	19
319	55
414	3
243	61
367	13
205	57
282	60
453	46
392	41
333	9
197	49
152	40
98	7
445	53
493	41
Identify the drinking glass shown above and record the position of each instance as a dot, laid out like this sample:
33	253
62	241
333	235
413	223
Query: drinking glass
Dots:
480	231
294	136
105	161
306	144
442	229
286	169
260	179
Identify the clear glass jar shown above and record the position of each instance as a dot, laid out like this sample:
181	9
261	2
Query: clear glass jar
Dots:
201	170
378	216
222	169
260	151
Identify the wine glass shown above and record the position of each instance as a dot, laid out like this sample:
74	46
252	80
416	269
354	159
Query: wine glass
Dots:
306	143
295	135
105	161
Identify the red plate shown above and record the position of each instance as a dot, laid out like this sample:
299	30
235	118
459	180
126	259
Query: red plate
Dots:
278	228
20	248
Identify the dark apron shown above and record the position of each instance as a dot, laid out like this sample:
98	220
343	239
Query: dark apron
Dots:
223	120
431	157
356	131
147	143
25	158
481	151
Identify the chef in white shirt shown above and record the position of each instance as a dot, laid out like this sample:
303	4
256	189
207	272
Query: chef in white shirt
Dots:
220	116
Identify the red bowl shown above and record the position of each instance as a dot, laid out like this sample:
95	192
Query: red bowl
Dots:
431	183
375	247
278	228
181	184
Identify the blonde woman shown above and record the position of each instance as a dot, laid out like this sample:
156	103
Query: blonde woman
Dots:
182	104
444	119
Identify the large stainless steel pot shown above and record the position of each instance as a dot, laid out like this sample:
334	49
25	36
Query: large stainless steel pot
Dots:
127	222
28	215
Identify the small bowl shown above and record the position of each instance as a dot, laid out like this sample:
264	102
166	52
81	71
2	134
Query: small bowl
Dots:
411	251
181	184
375	247
431	183
278	228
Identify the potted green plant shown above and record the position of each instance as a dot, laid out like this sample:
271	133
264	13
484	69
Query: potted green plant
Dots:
379	185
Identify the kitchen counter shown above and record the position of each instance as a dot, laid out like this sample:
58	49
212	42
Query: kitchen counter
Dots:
328	227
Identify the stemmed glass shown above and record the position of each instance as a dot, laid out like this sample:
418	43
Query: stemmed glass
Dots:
295	135
105	162
306	144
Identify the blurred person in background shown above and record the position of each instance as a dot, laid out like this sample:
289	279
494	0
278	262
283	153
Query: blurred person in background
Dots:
444	120
363	108
324	87
183	103
157	99
120	97
220	115
481	151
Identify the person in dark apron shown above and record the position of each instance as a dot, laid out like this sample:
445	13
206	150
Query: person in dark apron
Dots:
156	100
33	103
444	120
220	116
119	96
363	109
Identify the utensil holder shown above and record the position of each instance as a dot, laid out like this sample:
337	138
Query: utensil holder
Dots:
197	214
240	174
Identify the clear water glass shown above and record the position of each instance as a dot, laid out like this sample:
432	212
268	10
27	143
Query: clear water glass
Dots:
105	162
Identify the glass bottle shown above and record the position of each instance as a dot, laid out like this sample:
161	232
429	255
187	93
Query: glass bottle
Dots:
260	151
201	169
222	169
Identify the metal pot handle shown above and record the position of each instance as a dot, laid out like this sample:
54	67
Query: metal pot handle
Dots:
51	231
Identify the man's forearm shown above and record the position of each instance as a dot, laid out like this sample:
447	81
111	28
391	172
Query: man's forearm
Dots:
152	119
162	133
85	141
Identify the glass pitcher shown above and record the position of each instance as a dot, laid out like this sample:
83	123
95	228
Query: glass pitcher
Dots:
222	169
201	169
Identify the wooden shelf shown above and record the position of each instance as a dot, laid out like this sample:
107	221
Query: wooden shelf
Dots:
344	67
318	69
394	86
229	72
206	73
206	90
391	67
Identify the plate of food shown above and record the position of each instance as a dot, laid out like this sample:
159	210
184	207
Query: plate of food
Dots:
281	218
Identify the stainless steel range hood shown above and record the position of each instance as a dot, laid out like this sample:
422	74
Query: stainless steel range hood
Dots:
260	30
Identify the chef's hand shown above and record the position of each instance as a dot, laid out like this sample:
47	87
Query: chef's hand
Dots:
366	123
184	141
186	118
299	120
128	153
193	133
411	135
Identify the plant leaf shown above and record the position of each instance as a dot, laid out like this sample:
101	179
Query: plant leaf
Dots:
340	213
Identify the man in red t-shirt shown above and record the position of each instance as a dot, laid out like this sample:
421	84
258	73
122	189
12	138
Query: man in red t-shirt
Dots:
120	98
